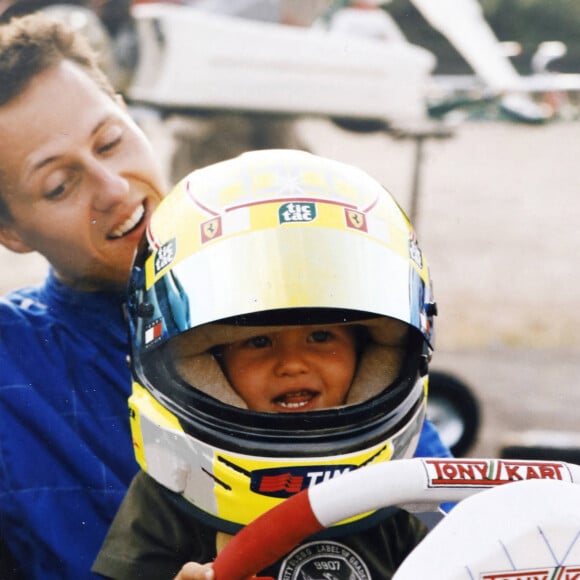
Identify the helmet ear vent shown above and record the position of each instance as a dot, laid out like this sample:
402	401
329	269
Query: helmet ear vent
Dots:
145	310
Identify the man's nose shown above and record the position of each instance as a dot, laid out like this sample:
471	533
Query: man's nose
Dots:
109	186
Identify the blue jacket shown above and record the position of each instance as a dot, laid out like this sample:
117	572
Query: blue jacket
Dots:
66	456
430	444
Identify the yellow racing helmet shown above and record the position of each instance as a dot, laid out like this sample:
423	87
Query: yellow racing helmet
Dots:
271	240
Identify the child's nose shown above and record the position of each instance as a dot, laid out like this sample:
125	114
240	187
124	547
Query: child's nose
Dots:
290	362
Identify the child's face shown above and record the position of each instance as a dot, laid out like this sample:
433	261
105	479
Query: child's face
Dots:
299	369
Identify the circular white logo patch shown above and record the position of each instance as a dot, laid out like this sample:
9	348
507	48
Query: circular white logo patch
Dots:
323	560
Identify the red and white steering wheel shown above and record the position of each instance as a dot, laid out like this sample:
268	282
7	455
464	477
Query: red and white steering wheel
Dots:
417	485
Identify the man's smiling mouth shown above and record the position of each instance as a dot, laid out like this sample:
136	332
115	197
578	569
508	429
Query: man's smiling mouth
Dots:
129	224
295	400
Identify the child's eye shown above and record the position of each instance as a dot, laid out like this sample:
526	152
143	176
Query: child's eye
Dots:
320	336
259	341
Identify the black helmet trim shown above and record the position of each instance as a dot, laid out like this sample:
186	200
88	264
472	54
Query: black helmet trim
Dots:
301	434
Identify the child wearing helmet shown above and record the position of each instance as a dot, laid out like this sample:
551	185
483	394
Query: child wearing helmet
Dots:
281	321
296	369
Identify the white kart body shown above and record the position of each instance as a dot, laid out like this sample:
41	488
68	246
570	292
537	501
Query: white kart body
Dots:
190	59
528	530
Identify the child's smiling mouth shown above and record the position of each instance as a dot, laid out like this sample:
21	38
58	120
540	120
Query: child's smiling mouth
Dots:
295	400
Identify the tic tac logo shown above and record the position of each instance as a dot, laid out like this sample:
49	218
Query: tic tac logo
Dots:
283	482
294	212
558	573
165	255
490	472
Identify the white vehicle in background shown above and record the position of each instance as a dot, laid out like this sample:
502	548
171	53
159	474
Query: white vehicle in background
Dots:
357	65
194	59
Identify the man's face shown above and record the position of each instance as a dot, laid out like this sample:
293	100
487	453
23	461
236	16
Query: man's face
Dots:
298	369
79	178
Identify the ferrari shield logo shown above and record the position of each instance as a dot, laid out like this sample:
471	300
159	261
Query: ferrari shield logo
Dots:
211	229
355	219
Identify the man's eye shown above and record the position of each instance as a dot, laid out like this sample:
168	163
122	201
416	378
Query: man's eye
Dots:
259	341
110	145
56	192
110	137
320	336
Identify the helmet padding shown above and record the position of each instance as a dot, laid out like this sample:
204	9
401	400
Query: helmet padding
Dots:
378	366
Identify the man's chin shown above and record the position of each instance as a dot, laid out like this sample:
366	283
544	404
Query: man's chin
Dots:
96	282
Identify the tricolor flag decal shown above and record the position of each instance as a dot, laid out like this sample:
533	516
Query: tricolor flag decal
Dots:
153	331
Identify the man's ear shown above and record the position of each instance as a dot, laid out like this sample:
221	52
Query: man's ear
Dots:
11	240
